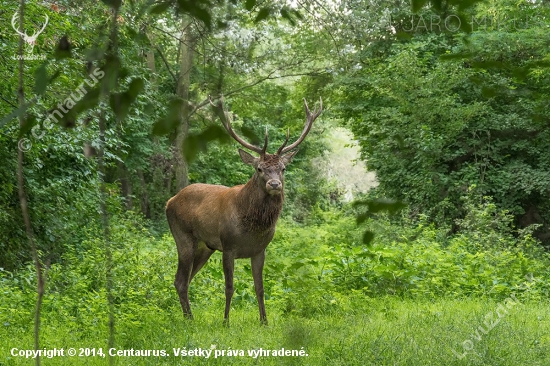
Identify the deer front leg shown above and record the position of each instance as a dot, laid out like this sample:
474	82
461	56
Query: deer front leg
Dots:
228	261
257	263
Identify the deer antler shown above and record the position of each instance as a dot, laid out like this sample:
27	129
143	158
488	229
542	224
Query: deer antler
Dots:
226	121
279	151
36	34
310	117
29	39
13	19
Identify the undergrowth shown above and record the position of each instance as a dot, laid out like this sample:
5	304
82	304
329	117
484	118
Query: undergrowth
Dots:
317	271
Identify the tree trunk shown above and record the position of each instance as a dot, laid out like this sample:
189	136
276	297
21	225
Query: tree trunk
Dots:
145	206
150	56
125	185
182	90
151	64
40	273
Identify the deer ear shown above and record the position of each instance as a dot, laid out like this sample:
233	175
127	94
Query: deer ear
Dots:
248	159
287	158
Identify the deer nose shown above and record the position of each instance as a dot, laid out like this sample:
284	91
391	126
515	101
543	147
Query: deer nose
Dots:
274	184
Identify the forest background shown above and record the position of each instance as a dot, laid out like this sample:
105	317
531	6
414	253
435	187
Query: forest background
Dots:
441	259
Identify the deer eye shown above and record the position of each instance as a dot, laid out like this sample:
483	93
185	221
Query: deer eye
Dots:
259	170
284	169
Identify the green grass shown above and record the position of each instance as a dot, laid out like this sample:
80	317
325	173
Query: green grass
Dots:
414	298
356	331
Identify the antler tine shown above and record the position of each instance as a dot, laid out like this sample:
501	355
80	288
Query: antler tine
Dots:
226	121
43	27
13	18
284	143
310	117
264	149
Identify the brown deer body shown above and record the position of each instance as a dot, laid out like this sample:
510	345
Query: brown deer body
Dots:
238	221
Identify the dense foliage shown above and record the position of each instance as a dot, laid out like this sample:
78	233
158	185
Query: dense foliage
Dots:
107	115
434	114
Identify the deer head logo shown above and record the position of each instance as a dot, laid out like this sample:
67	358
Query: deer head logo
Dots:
31	40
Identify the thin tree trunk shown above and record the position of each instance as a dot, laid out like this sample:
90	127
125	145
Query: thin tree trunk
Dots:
106	234
145	206
150	55
182	90
40	276
125	185
168	182
103	204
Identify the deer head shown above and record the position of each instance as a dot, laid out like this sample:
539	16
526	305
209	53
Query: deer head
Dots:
269	168
31	40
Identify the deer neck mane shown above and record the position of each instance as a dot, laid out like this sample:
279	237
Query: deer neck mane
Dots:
258	210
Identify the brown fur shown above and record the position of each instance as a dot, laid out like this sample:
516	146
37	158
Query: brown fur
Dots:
258	212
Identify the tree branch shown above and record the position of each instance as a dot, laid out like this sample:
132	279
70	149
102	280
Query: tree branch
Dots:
166	64
268	77
7	101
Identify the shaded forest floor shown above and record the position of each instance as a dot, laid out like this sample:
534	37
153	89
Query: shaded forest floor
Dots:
382	331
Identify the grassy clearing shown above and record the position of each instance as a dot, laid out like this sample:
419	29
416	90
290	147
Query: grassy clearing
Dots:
360	331
413	298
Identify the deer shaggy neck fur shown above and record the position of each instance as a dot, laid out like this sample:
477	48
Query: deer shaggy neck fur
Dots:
258	210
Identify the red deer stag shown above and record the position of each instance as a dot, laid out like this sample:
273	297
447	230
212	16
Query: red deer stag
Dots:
238	221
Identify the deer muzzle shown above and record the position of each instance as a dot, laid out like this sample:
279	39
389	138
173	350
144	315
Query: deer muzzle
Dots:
274	186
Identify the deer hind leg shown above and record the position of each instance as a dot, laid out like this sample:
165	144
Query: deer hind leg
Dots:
187	247
202	255
257	264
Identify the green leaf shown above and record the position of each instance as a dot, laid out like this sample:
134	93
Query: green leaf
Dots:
169	123
488	92
69	119
262	14
112	73
297	14
90	100
362	218
465	25
16	113
286	14
381	204
197	9
250	4
120	104
94	54
368	236
199	141
139	37
115	4
190	148
489	65
63	49
28	123
455	56
417	5
250	135
436	4
41	80
160	8
520	72
403	35
296	265
465	4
